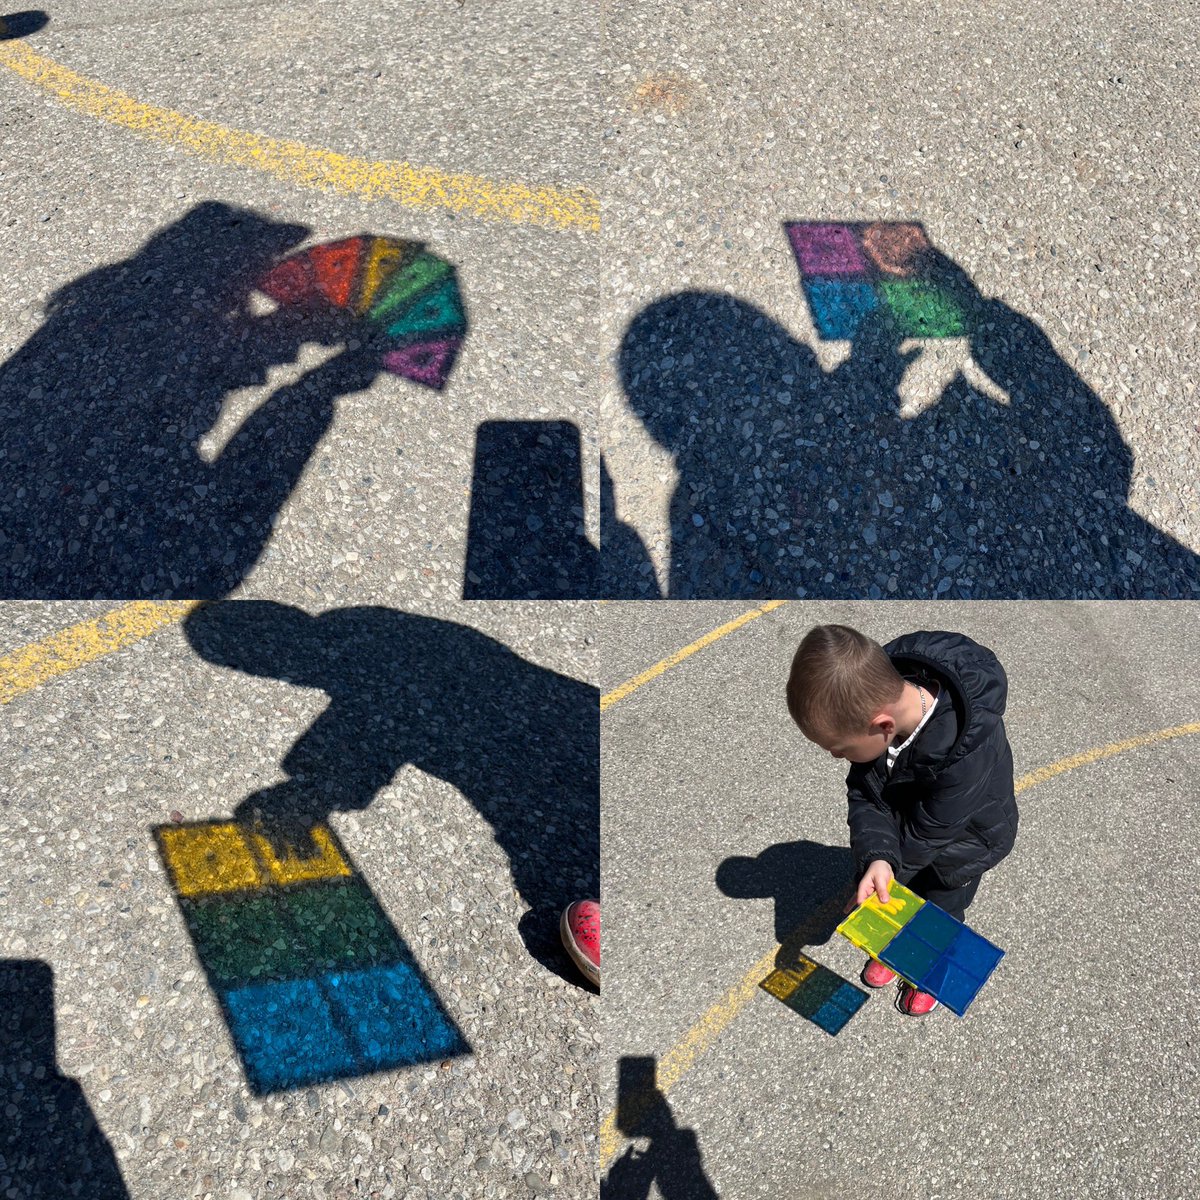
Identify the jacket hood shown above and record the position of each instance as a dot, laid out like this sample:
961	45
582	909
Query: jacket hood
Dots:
970	669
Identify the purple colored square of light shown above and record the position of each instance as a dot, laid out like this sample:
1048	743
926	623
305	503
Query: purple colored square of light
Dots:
826	249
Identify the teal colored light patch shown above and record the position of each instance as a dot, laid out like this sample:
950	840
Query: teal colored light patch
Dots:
243	938
839	306
922	310
437	311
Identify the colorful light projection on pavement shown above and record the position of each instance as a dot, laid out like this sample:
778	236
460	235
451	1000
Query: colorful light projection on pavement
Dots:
852	270
816	993
314	981
406	300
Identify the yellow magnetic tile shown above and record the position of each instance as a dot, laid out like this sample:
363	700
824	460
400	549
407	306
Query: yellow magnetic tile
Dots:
327	863
209	858
901	906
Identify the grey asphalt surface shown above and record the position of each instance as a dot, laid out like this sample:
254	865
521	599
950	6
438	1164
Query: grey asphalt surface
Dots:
458	841
1049	155
1074	1072
385	466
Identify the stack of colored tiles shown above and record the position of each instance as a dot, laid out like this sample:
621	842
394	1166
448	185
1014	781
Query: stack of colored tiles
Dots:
815	992
314	981
924	945
852	271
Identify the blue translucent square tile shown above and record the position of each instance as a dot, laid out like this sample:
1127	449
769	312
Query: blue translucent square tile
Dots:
286	1035
839	306
974	953
952	986
831	1018
392	1017
908	955
934	927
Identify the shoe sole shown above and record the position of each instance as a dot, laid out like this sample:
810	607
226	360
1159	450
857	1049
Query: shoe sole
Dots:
581	960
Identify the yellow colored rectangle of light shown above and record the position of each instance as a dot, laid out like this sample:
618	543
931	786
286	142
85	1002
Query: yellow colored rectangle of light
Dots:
873	924
208	859
327	863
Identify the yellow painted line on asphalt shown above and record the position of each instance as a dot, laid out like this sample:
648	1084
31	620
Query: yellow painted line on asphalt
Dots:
309	166
74	647
619	693
682	1057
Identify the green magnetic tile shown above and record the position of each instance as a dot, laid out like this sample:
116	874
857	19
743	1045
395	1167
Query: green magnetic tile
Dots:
909	956
340	925
244	938
922	310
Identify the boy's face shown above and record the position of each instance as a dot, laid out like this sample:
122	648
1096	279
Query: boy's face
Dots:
863	747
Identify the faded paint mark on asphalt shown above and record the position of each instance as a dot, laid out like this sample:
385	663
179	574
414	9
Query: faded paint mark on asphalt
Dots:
309	166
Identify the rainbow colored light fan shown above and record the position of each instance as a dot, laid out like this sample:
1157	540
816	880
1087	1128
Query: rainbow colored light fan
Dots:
406	299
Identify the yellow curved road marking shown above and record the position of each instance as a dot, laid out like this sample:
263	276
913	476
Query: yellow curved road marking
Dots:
680	1058
38	663
309	166
618	694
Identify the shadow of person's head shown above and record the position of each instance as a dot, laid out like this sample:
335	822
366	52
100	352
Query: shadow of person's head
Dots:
22	24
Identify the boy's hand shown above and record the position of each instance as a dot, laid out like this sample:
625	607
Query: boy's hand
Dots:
875	882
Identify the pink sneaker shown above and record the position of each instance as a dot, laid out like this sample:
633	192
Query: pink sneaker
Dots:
580	930
913	1003
876	975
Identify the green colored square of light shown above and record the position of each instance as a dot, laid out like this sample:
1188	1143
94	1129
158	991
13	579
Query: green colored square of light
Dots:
921	310
814	991
341	925
243	939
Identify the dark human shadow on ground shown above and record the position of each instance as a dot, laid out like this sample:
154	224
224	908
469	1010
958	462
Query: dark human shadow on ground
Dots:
103	490
525	534
672	1160
22	24
808	882
794	481
50	1144
520	742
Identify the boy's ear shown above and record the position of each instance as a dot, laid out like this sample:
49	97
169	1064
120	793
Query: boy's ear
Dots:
883	723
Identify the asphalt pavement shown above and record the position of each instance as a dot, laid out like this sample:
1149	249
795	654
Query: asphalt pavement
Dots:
1073	1073
761	442
165	432
167	1025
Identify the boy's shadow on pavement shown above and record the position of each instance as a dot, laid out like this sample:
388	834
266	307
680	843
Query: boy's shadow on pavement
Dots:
50	1144
520	742
103	491
809	883
794	481
672	1159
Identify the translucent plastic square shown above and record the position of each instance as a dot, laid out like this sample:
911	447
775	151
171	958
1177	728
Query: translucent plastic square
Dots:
908	956
974	953
935	927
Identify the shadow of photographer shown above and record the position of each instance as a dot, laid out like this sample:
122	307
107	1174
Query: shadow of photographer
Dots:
794	481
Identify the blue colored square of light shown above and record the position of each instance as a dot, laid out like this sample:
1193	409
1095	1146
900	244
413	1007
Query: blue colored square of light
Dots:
839	306
831	1017
975	954
393	1017
849	998
908	955
286	1035
934	927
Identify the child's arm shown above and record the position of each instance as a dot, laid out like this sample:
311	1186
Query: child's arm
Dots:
874	833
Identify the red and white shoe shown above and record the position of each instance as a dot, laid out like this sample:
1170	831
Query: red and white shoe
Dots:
876	975
913	1003
580	930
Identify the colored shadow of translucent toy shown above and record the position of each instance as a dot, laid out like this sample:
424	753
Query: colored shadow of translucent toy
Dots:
404	302
314	981
930	949
855	271
816	993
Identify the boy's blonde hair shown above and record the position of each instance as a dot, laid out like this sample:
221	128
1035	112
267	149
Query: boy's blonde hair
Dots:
840	680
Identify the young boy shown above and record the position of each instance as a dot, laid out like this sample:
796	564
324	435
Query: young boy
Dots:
931	781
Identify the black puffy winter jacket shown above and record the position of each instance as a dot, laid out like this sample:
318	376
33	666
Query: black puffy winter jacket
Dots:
949	802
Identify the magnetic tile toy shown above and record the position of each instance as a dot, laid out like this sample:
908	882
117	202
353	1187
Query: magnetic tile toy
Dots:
816	993
930	949
853	271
